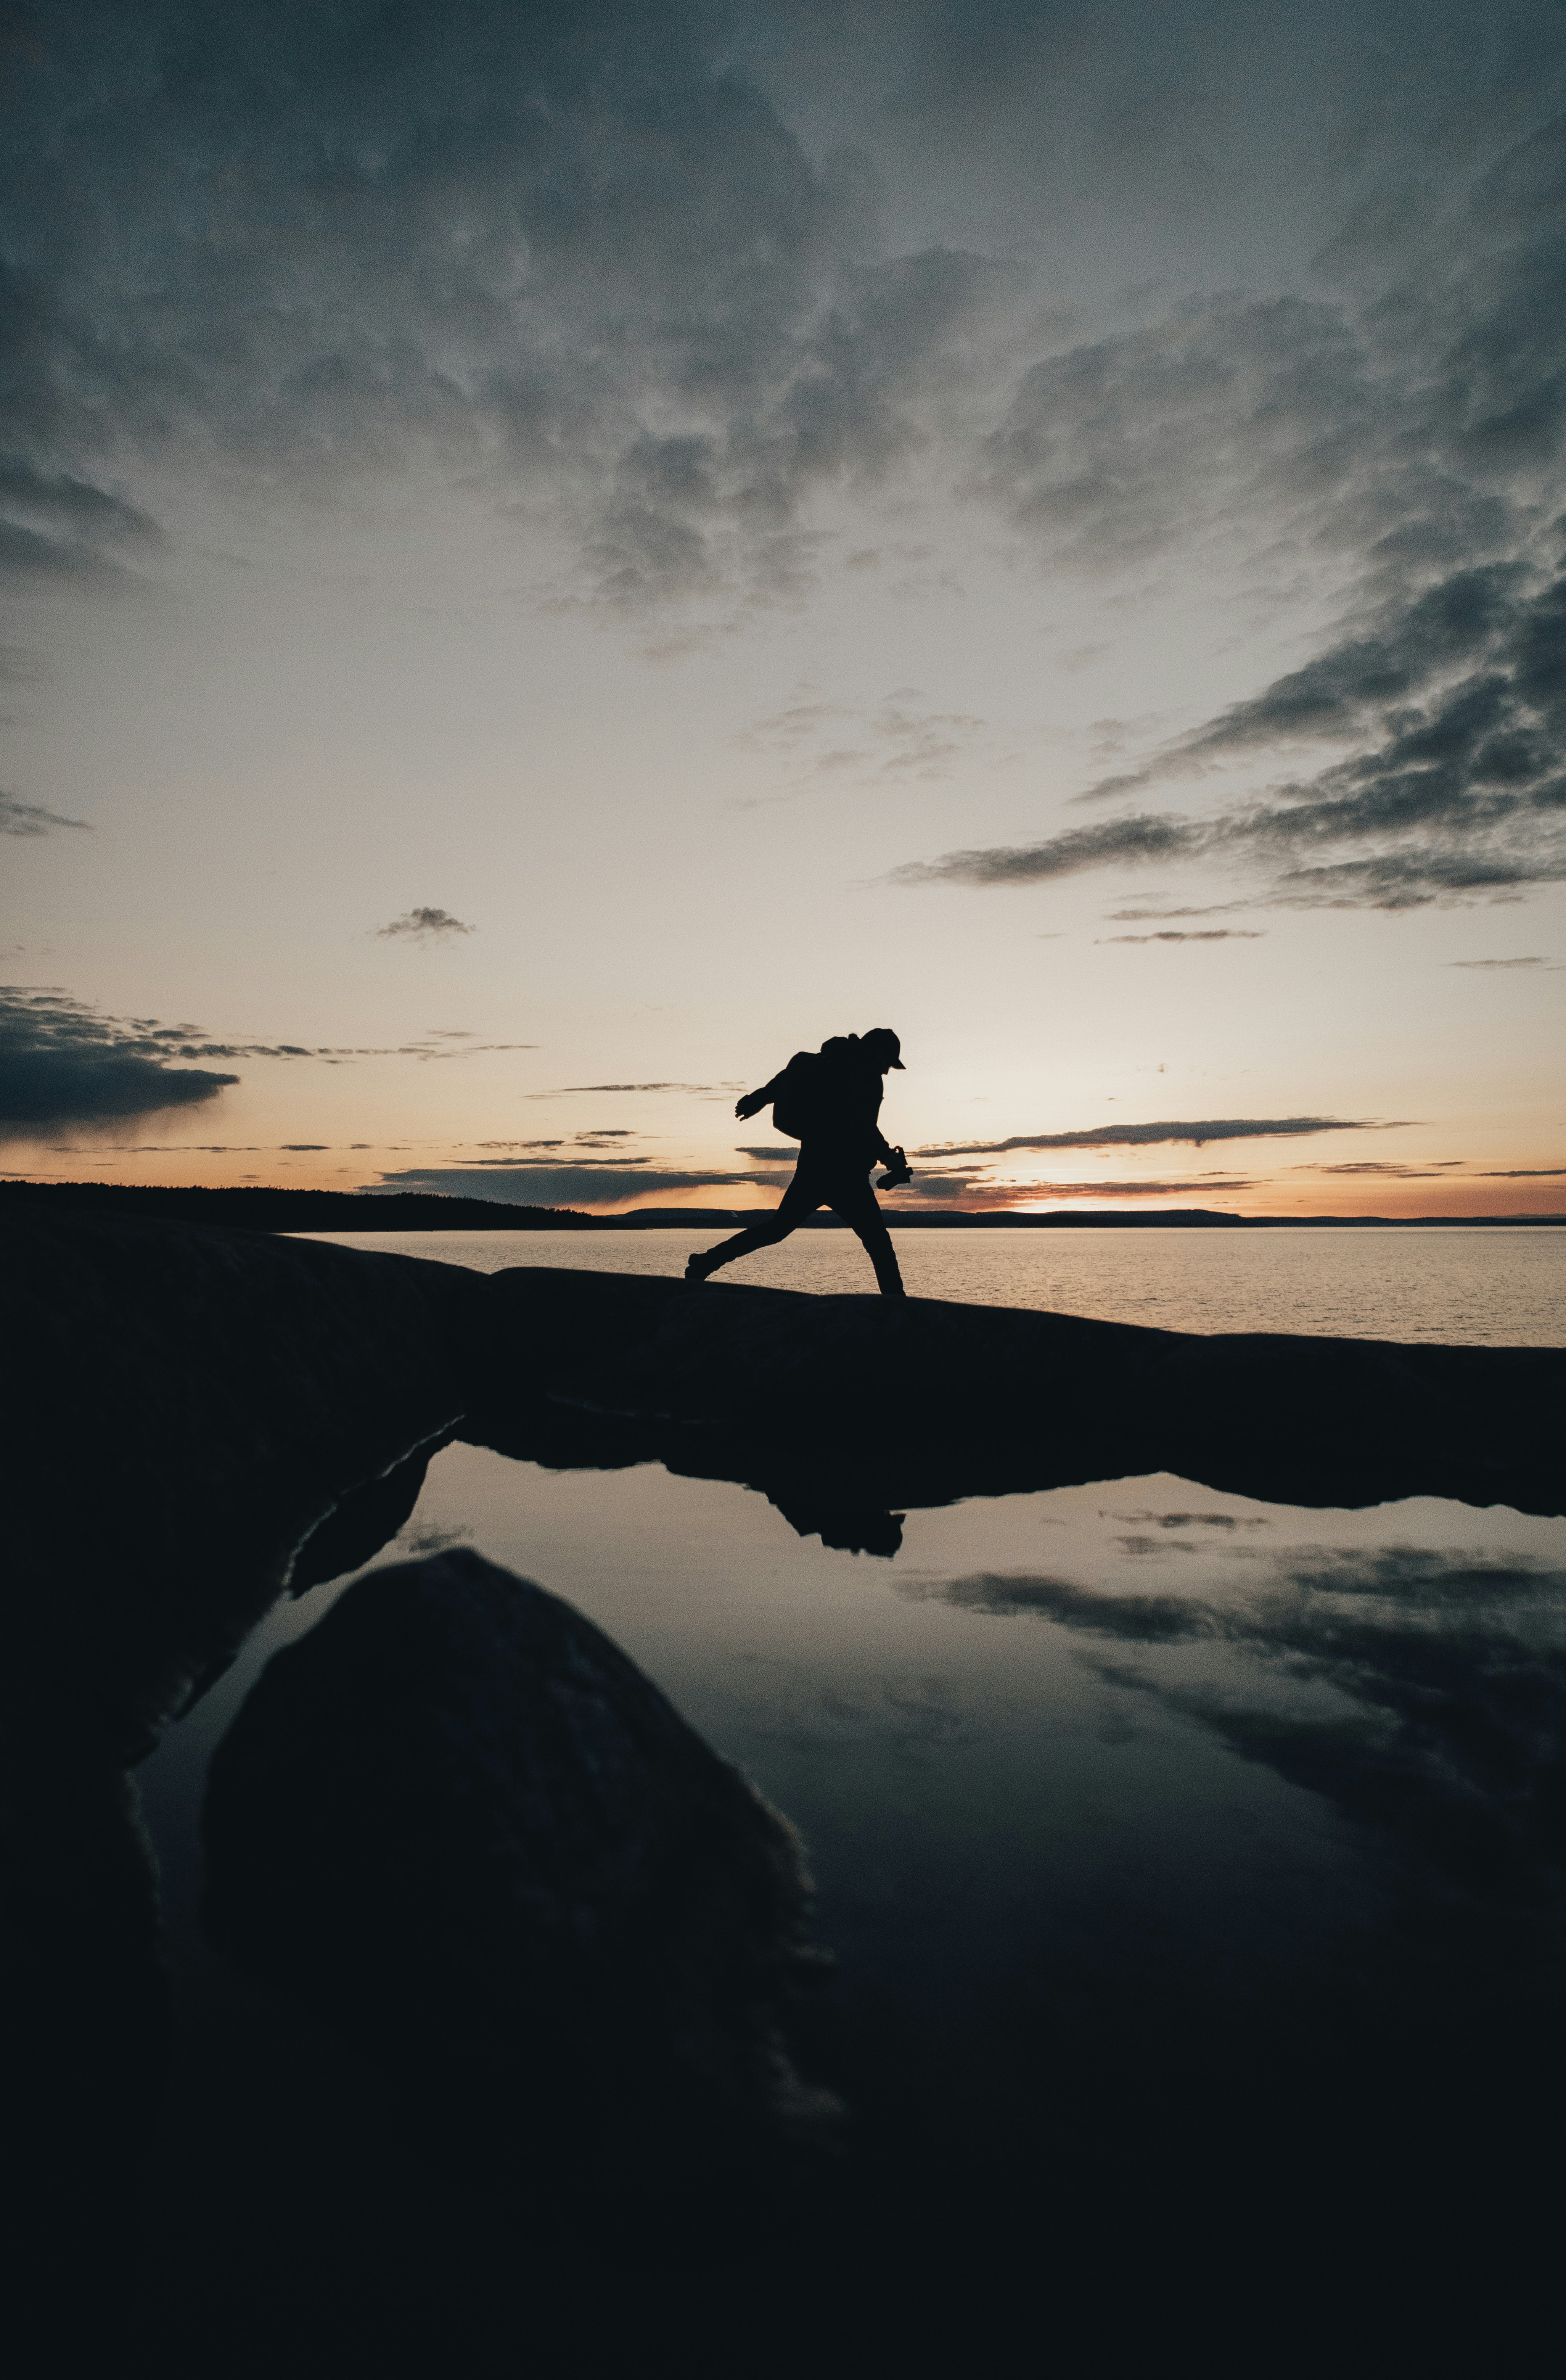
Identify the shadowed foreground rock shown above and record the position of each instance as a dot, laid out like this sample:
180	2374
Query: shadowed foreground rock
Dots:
461	1827
180	1409
183	1407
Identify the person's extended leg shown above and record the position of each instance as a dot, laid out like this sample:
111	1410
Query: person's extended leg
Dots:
858	1204
801	1199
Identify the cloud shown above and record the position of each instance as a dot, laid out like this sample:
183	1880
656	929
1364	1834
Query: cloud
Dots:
1137	1135
1380	1171
1130	841
1192	1187
569	256
425	925
192	1148
897	741
575	1179
1408	446
562	1184
1461	796
579	260
571	1090
57	529
1496	963
1223	934
27	817
62	1061
1525	1173
1463	799
1116	453
1144	917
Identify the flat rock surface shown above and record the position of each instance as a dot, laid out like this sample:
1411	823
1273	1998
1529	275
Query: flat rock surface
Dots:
958	1399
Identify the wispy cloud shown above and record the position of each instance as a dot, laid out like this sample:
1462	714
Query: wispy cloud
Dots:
821	743
1142	1136
1218	934
29	817
1381	1169
1194	1187
576	1090
57	530
424	925
573	1181
1148	917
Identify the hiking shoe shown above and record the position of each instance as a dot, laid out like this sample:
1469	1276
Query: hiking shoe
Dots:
697	1268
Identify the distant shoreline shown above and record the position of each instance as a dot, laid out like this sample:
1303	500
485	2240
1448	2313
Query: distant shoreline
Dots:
265	1209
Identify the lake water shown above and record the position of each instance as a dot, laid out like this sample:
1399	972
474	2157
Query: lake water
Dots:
1189	1862
1046	1722
1485	1287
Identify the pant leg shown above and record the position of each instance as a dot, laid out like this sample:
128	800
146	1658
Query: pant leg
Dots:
801	1199
853	1198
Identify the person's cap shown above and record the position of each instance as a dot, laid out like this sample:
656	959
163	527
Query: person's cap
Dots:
881	1036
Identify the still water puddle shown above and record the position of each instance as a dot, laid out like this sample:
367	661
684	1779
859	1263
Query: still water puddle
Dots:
1060	1733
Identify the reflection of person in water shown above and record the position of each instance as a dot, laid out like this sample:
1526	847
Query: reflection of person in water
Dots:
829	1101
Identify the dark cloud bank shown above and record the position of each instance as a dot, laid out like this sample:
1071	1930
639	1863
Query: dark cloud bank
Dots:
63	1061
569	253
614	266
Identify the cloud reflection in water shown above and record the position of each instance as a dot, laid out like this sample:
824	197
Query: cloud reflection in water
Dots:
1421	1692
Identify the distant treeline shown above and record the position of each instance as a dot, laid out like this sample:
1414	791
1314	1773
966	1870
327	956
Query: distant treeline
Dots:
261	1209
304	1210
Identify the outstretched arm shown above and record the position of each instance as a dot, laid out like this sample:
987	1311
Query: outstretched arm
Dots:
754	1101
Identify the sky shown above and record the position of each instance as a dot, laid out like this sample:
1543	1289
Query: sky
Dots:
552	556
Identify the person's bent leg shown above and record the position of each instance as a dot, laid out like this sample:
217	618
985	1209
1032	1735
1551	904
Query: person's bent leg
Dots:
859	1206
797	1201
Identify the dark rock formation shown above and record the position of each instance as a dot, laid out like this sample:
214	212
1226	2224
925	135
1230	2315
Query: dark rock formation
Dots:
184	1407
361	1522
181	1409
460	1826
88	2021
197	1418
892	1403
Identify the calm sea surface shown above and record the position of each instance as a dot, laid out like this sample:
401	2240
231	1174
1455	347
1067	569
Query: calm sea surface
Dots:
1489	1287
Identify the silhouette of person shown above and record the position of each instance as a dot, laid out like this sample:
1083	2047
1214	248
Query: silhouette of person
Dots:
830	1100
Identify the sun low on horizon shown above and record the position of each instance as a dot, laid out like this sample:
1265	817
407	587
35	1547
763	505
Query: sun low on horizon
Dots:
553	557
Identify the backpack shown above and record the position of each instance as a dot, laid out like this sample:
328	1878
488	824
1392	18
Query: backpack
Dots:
805	1087
797	1100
